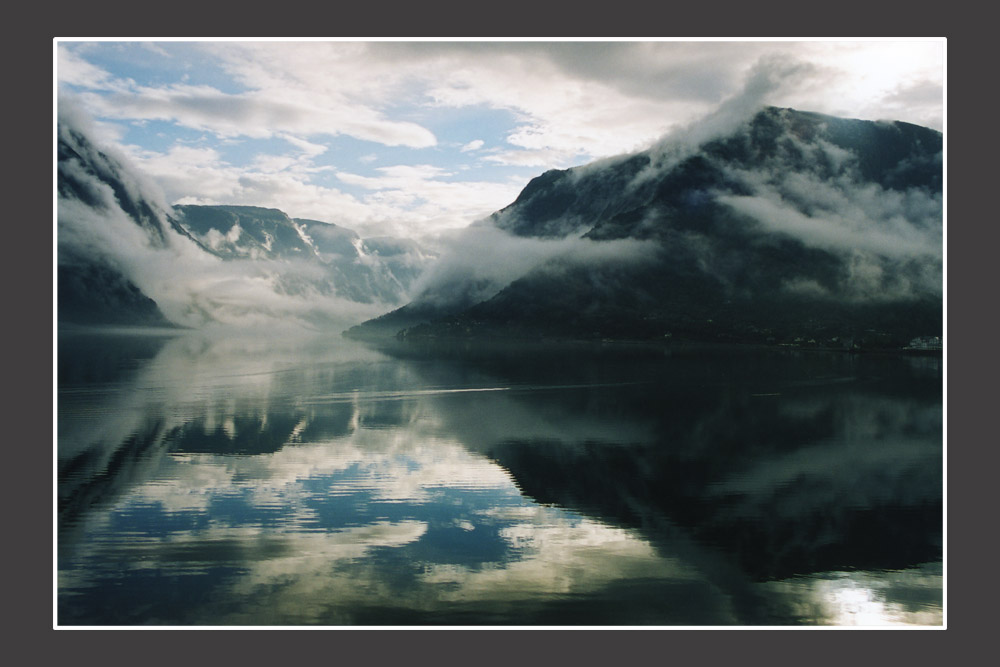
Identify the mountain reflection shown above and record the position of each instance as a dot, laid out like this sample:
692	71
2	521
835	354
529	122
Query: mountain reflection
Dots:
215	481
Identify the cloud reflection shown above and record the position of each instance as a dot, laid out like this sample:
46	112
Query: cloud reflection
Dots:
258	501
897	597
292	526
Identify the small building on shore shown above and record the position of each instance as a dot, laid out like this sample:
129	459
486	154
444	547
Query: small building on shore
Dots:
925	343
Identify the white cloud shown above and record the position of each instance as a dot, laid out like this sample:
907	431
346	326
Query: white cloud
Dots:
890	240
414	198
543	158
480	260
155	48
257	114
396	177
74	70
308	148
830	230
570	102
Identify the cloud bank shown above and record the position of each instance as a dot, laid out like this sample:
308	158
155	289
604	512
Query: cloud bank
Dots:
477	262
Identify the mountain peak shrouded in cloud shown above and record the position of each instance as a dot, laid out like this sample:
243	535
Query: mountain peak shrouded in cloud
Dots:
794	225
125	256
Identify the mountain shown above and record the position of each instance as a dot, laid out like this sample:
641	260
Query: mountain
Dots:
376	270
245	232
92	283
790	227
127	257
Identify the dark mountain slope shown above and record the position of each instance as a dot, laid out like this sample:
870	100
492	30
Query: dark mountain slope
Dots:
92	287
795	225
94	293
612	198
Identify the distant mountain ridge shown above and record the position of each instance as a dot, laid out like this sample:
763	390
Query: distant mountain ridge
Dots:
250	232
123	253
362	270
792	227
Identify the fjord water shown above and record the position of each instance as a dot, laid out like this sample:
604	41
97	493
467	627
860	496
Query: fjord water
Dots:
221	480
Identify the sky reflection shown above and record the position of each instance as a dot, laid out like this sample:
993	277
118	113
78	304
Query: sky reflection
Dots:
879	598
224	485
311	529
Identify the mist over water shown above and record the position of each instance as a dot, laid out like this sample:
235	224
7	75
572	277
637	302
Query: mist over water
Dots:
256	480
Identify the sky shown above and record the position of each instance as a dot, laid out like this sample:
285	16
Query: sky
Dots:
418	138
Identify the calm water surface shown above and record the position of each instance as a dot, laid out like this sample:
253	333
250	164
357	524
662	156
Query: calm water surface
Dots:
220	481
